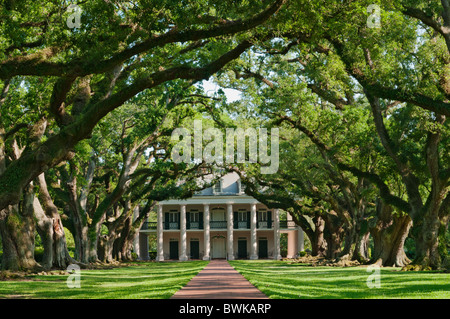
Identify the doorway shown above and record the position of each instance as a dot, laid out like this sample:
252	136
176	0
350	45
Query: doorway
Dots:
262	248
218	247
242	248
195	249
173	249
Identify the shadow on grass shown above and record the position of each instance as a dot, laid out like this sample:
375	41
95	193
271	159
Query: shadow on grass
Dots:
143	280
279	279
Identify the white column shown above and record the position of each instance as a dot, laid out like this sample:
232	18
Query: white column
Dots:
230	250
253	241
301	239
292	250
276	234
143	246
183	256
206	232
160	230
136	247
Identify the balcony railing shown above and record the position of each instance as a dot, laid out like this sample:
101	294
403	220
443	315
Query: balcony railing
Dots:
171	225
222	224
243	224
284	224
150	226
194	225
263	224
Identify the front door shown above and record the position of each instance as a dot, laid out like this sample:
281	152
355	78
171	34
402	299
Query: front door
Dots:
262	251
218	248
242	248
195	249
173	250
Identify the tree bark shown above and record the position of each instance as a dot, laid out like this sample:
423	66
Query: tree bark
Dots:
17	228
79	215
334	232
389	232
318	242
427	223
426	233
123	246
50	228
115	228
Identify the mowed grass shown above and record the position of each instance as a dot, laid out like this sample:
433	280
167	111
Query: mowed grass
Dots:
282	280
137	281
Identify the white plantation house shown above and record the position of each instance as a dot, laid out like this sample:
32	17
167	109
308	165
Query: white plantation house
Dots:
219	222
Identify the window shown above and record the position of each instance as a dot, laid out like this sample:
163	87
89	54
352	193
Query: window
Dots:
173	216
218	187
242	219
218	214
173	219
241	187
262	219
194	216
262	215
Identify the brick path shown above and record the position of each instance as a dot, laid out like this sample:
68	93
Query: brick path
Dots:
218	280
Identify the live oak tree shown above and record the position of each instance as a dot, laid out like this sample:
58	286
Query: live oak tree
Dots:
125	169
369	104
120	50
103	72
400	70
418	93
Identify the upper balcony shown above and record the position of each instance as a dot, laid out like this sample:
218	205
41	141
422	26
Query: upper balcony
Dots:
222	224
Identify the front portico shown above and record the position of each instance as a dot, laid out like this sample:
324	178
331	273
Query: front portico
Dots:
219	225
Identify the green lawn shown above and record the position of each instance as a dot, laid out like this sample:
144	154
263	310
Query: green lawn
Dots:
279	279
138	281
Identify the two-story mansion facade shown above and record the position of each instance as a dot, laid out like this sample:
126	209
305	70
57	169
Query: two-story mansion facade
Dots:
219	222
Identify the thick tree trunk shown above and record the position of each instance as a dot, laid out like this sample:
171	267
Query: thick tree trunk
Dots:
429	227
131	160
123	246
17	228
349	243
426	234
81	243
334	236
105	247
50	228
56	254
318	242
116	229
126	246
355	247
77	209
80	236
389	232
361	253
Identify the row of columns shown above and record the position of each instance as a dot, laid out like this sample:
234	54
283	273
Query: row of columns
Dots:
207	233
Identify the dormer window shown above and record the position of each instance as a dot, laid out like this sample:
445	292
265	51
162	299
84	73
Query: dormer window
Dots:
218	187
240	187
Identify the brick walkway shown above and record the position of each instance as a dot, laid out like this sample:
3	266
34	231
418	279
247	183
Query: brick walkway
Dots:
218	280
